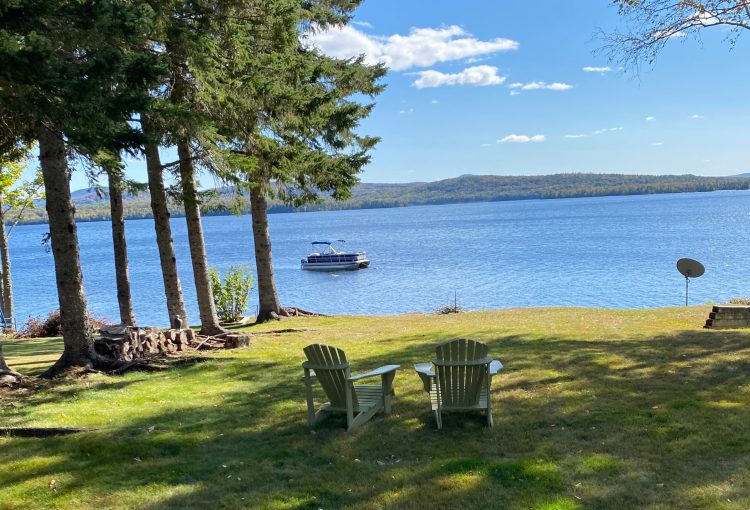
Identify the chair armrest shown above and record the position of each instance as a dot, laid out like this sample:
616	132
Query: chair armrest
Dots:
378	371
424	368
312	375
426	374
495	367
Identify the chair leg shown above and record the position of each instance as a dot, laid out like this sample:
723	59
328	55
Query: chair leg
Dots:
349	406
311	418
487	386
439	420
387	384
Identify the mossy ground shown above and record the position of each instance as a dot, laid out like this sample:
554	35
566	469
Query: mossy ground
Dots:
594	409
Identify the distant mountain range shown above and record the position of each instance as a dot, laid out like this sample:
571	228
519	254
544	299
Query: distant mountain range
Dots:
93	205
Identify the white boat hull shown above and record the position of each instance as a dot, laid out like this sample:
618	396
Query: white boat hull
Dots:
335	266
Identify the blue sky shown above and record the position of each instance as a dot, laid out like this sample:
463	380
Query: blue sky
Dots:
468	75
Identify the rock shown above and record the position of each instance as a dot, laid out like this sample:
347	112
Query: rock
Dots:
8	381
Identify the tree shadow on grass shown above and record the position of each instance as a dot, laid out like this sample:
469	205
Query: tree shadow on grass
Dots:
594	424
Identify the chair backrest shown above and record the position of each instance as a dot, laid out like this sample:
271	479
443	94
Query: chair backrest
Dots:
332	371
461	370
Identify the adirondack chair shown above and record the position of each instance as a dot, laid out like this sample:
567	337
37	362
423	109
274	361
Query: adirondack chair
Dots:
461	378
5	321
359	402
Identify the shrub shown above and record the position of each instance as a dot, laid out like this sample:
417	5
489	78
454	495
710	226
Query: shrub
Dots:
51	326
739	301
451	308
231	294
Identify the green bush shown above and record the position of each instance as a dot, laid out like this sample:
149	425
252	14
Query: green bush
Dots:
231	294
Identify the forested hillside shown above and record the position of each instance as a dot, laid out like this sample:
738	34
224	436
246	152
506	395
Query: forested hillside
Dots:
468	188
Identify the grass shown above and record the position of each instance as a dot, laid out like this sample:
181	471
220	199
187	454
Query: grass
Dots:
595	409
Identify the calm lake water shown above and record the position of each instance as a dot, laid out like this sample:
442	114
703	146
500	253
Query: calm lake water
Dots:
610	252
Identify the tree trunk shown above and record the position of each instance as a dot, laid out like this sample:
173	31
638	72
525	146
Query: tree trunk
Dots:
268	297
4	369
122	275
78	344
172	287
209	319
8	377
6	290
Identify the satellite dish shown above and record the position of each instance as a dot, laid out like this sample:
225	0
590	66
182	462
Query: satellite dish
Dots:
689	268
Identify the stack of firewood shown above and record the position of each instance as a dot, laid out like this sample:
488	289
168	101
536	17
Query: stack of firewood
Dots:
127	343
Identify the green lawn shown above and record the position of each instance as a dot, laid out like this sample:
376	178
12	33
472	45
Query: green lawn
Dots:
595	409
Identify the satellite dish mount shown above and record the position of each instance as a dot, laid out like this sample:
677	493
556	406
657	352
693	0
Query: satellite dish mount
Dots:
689	268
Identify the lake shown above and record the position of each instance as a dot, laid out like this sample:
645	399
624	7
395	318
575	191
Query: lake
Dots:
609	252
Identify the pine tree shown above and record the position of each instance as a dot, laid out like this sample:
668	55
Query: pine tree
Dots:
295	128
71	78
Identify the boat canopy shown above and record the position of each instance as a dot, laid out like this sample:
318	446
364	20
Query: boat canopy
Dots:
322	242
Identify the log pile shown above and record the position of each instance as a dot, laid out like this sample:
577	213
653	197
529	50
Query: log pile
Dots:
128	343
222	341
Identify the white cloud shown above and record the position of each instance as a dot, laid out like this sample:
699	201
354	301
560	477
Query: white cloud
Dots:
540	85
365	24
594	133
434	101
422	47
696	116
706	19
657	144
659	34
478	76
650	118
404	112
521	139
595	69
514	93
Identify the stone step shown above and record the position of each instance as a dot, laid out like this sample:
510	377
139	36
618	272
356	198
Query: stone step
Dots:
737	315
731	309
728	316
727	323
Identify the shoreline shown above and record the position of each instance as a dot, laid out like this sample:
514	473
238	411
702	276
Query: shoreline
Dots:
312	209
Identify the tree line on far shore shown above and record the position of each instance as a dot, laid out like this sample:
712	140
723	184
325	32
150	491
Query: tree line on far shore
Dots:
93	205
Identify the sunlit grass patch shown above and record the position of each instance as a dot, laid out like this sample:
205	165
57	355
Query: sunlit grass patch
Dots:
601	464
